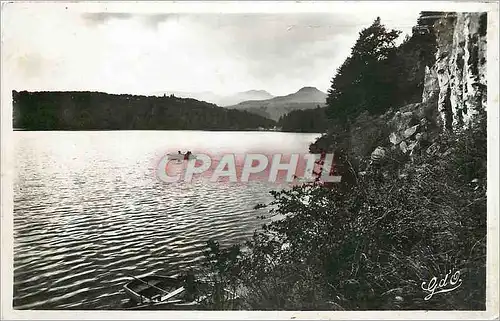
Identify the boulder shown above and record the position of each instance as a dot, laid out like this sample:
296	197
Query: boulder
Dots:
403	146
402	120
395	138
412	145
378	153
431	150
410	131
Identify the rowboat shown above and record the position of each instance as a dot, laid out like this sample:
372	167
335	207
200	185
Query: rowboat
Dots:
180	157
153	288
155	292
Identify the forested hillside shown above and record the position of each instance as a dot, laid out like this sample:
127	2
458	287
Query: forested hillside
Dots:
101	111
305	121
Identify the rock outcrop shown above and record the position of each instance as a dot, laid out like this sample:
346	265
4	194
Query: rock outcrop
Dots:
454	87
461	67
454	91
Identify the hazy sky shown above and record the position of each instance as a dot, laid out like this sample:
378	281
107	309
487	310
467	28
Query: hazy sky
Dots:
122	50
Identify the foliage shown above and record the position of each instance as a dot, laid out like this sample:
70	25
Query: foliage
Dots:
379	75
221	272
372	246
370	242
93	110
304	121
361	83
411	58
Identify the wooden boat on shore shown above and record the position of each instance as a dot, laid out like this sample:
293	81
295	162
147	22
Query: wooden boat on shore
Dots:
153	288
155	292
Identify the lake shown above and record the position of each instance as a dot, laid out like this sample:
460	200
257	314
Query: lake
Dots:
89	210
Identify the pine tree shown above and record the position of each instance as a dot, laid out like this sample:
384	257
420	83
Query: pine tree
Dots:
362	83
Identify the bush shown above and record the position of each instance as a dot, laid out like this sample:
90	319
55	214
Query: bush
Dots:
372	246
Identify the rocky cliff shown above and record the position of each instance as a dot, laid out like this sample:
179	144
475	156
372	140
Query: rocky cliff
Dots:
455	87
454	91
461	67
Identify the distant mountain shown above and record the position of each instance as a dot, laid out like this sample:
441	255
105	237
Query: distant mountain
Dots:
249	95
274	108
221	100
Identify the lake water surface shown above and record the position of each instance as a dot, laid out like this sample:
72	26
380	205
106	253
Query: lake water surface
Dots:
89	210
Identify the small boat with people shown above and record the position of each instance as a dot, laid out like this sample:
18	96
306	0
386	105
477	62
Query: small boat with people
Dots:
180	156
157	292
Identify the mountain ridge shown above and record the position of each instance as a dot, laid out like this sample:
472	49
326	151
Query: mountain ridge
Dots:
305	98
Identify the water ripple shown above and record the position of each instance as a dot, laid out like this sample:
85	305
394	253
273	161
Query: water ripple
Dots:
87	217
